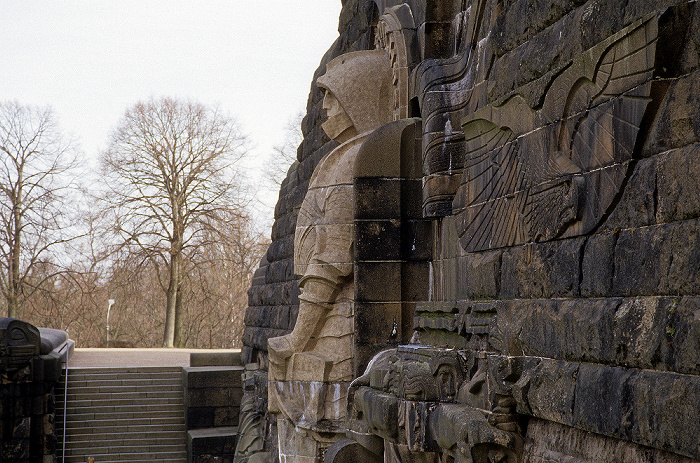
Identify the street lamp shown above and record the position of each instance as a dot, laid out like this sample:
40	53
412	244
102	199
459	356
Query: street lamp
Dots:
110	303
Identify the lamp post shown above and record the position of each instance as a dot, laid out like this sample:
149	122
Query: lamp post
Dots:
110	303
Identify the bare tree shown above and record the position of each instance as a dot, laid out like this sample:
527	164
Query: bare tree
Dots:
35	160
216	290
284	154
171	171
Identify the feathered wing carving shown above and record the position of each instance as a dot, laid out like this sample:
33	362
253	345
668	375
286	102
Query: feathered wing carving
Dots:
537	174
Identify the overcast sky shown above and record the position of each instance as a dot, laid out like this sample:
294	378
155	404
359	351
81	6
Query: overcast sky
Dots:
92	59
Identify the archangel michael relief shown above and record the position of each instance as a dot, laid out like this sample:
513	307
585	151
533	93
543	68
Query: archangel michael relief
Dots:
535	174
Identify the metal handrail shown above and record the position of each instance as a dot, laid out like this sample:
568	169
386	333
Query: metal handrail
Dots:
65	413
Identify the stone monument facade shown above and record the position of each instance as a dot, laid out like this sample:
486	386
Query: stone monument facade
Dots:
525	242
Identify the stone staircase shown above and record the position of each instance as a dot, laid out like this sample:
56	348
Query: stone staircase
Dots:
128	414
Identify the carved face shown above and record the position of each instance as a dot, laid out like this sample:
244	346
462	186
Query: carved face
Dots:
446	380
338	125
360	81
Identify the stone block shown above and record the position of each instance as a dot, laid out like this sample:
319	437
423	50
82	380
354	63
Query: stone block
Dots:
640	406
210	417
199	417
597	268
412	198
377	326
542	270
377	281
212	377
377	239
256	316
478	275
280	317
349	451
281	249
551	390
415	281
677	123
677	177
637	205
601	399
510	30
416	240
377	198
212	397
226	416
280	271
213	442
257	338
659	260
640	332
556	442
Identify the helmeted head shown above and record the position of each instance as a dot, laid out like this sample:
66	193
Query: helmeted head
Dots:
358	93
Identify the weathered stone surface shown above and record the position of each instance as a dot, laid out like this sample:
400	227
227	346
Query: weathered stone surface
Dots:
646	333
551	441
478	275
677	122
579	228
542	270
280	271
597	267
378	282
637	205
378	198
377	239
213	443
212	377
658	260
349	451
510	30
677	175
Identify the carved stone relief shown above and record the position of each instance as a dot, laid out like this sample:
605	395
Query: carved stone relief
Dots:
309	369
396	33
535	174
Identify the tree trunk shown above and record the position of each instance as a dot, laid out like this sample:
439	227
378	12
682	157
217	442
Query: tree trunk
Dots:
179	341
14	284
171	304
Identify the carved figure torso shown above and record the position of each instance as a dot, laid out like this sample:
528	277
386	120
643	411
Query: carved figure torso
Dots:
323	250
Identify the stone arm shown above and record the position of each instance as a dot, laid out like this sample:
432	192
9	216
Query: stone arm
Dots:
323	254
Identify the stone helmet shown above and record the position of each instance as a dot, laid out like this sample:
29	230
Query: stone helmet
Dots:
361	82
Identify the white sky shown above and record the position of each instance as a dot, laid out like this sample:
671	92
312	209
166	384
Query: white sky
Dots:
91	59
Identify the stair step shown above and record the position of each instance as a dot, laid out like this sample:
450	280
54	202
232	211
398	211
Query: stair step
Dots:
114	449
145	403
82	441
132	457
127	424
123	415
126	395
126	411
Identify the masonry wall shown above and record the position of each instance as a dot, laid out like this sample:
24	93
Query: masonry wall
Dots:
614	310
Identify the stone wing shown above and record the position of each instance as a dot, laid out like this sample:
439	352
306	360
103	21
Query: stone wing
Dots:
491	197
537	174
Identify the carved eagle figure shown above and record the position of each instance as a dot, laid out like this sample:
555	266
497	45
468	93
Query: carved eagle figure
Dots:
553	171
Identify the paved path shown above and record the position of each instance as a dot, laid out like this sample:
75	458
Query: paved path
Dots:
89	357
